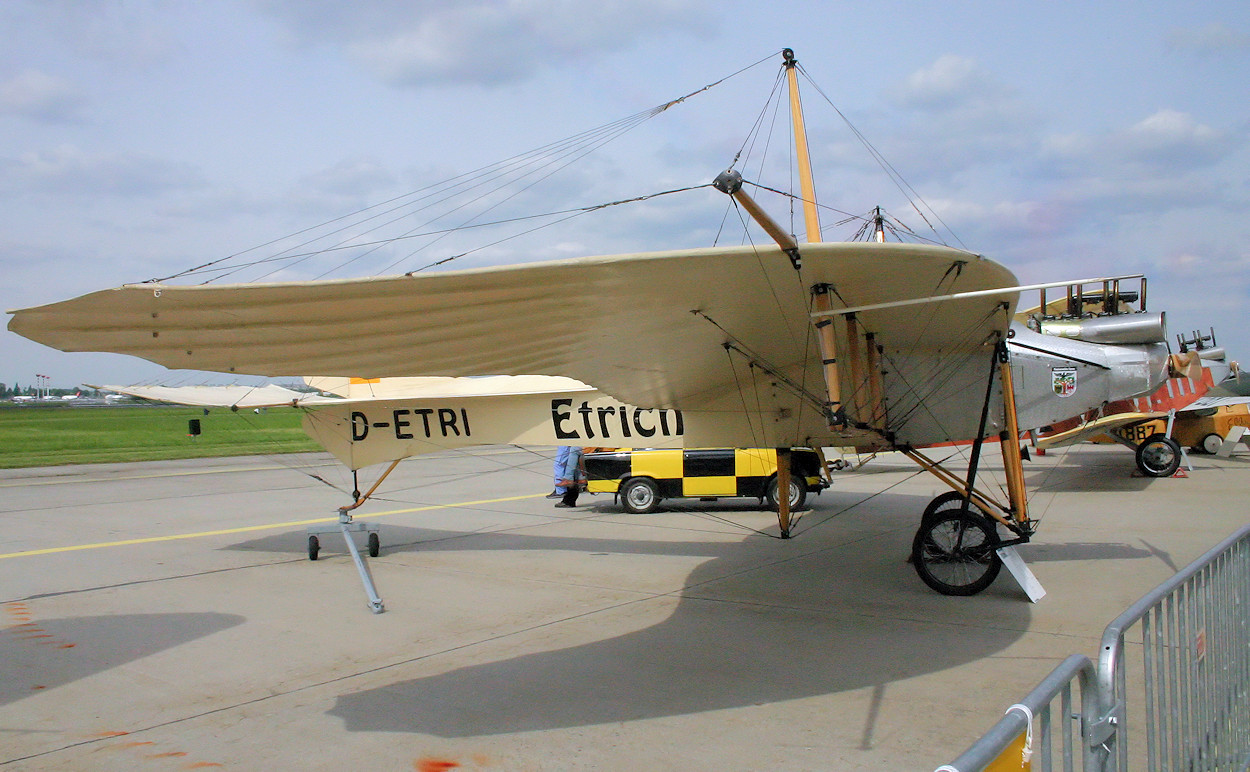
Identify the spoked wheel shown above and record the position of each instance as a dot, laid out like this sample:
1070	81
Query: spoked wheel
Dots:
954	551
1158	456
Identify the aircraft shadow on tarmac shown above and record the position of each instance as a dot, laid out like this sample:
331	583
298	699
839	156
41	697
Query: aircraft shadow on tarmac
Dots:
44	654
1043	552
799	628
846	613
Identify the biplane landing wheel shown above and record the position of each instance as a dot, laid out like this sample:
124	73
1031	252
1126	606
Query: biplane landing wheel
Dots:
941	502
1158	456
314	546
375	545
953	551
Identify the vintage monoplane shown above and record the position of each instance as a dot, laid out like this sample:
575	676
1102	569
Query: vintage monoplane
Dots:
867	345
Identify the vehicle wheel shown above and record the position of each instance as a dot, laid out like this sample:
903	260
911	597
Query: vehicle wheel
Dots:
1158	456
1211	443
314	546
798	494
375	545
639	496
954	551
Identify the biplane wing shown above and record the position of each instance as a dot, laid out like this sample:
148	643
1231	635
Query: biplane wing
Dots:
722	334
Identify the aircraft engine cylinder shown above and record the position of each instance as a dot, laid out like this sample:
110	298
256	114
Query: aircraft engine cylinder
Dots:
1121	329
1212	353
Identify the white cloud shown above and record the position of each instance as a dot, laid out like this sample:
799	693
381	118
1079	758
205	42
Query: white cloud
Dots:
42	97
135	33
1161	162
958	117
67	170
951	82
1170	138
490	42
351	178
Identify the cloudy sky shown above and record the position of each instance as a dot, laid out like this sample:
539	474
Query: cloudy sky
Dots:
1065	140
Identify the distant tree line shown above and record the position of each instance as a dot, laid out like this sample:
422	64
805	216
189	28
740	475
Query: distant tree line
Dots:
18	390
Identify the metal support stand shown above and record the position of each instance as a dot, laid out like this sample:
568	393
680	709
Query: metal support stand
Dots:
366	576
1015	566
347	527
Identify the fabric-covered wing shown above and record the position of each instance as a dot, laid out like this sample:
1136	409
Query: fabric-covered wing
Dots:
269	395
435	386
649	329
1211	402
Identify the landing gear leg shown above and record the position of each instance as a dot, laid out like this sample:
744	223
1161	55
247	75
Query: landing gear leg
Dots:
957	550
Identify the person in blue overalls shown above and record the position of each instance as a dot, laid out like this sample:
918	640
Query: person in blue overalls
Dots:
557	470
570	478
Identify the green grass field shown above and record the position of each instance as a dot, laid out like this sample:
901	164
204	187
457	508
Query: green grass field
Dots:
48	436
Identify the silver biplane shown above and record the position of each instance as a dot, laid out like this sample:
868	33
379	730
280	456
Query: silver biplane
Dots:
1156	426
867	345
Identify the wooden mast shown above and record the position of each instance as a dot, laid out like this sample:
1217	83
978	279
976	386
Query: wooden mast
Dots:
822	299
730	182
807	188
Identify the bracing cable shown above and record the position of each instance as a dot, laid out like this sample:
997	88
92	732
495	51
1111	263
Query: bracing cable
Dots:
483	185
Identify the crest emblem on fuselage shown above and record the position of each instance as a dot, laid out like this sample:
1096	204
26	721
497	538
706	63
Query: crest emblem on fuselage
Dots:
1063	380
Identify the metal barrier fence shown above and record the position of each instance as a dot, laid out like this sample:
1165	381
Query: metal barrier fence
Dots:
1193	676
1189	689
1004	740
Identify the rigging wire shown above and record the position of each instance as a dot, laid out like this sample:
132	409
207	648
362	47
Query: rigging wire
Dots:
571	213
477	186
795	532
904	187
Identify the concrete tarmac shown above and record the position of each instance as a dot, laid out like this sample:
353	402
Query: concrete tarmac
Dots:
165	616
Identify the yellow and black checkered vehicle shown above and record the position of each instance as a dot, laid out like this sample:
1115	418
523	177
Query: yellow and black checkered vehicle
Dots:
643	478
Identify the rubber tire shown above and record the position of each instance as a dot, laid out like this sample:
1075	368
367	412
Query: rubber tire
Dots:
314	546
1158	456
974	567
1211	443
375	545
640	495
798	494
941	502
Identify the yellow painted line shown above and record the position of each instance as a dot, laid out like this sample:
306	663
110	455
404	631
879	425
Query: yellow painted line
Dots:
250	528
